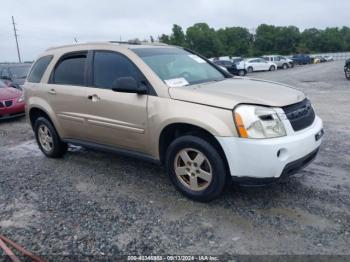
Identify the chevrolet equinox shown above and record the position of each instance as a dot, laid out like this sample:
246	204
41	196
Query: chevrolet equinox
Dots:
172	106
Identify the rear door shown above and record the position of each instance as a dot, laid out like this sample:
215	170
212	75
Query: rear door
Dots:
67	94
115	118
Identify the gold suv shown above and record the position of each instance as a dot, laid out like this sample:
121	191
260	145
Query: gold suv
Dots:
172	106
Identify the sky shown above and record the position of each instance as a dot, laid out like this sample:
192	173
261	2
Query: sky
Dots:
43	24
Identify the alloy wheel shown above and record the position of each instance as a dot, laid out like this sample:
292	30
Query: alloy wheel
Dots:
193	169
45	138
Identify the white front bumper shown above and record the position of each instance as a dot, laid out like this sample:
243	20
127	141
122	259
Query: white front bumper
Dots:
257	158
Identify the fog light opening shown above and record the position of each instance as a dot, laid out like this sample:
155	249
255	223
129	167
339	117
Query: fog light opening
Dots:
282	154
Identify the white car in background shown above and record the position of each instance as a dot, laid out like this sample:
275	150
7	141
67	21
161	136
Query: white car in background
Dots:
280	61
328	58
258	64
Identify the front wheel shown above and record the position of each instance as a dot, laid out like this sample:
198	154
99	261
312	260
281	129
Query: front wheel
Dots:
196	168
48	139
347	73
250	70
285	66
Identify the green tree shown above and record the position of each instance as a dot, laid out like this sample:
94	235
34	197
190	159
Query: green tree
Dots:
264	39
280	39
310	40
333	40
236	41
178	36
286	40
164	39
202	39
268	39
345	32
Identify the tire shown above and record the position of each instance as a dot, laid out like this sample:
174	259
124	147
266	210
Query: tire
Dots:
242	72
347	73
291	65
48	139
272	68
285	66
213	164
250	70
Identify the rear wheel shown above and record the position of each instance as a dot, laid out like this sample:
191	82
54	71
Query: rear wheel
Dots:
250	70
196	168
272	68
48	140
242	72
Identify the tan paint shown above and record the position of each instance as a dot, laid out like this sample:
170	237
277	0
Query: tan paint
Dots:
135	122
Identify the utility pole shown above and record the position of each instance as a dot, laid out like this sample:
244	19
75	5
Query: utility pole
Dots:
15	31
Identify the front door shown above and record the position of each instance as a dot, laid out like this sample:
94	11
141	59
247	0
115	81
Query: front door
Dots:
115	118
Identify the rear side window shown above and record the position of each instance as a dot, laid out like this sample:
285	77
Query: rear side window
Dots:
109	66
70	70
39	69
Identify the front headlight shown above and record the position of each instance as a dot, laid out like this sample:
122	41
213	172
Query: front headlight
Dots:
21	99
258	122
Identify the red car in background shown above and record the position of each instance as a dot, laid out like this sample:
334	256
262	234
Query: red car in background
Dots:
11	101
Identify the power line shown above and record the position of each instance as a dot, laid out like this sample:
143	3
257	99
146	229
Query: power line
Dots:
15	31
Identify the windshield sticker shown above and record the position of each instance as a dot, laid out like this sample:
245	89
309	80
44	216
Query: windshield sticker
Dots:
197	59
176	82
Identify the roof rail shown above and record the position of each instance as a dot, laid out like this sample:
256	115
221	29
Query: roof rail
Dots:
126	42
137	42
131	42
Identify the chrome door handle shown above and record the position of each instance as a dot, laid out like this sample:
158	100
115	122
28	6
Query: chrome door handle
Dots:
52	92
94	98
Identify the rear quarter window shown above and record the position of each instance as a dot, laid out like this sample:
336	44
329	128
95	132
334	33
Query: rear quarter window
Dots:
39	69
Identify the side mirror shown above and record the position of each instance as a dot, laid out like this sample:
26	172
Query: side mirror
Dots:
129	85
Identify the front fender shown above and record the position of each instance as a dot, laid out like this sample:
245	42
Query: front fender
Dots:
164	112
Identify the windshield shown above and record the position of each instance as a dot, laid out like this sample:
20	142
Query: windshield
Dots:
177	67
19	71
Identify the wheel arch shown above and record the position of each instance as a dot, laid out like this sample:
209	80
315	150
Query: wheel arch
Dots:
36	110
174	130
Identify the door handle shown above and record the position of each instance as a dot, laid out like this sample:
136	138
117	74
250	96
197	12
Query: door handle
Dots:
94	98
52	92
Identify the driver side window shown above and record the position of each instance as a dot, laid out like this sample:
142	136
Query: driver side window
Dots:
109	66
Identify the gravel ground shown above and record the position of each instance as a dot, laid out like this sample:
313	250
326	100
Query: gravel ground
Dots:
92	203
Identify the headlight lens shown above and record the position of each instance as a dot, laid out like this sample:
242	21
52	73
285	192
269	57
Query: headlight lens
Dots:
258	122
21	99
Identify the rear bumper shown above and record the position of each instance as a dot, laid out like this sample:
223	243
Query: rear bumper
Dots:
272	158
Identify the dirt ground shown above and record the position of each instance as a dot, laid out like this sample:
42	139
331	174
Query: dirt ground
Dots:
93	203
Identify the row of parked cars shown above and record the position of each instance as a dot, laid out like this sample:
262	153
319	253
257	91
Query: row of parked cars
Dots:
12	78
240	66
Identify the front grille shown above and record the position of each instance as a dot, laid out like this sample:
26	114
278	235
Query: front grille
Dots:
8	103
1	105
300	115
